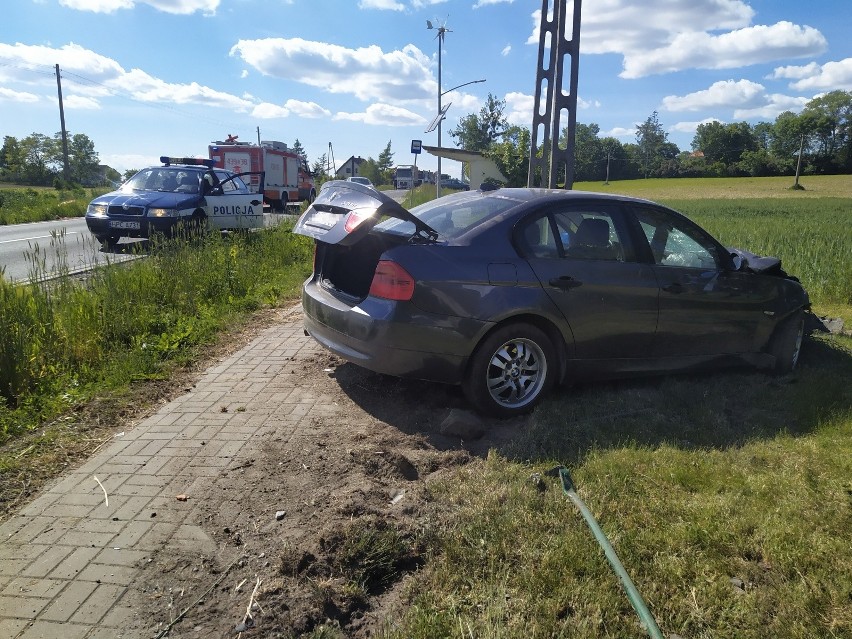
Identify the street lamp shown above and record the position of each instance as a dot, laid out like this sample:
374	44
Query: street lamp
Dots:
441	31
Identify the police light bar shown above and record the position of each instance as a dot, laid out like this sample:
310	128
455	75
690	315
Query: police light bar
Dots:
188	161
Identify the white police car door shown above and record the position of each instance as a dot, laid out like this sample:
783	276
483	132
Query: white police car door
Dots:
229	202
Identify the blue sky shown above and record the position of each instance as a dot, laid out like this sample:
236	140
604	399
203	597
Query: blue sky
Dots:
143	78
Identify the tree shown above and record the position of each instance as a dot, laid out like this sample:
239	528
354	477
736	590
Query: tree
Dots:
511	155
724	143
589	154
478	132
369	168
38	159
299	150
786	137
319	169
384	166
651	138
82	158
828	119
11	162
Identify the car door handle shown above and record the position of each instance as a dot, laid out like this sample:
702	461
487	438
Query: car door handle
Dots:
565	281
675	287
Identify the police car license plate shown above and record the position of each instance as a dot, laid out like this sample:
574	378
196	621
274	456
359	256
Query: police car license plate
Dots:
121	224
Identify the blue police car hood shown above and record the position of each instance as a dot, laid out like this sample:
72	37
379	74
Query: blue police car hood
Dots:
147	199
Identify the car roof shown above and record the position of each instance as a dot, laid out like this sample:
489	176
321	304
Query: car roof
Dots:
527	194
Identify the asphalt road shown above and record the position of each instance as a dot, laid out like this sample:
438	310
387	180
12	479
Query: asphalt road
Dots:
48	248
68	245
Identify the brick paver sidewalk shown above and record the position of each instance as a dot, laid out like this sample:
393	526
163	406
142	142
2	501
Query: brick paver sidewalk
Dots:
67	559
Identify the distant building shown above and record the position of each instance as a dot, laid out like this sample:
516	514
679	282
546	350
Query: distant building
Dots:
350	168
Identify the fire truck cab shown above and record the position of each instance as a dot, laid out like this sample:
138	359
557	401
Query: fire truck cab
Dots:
287	178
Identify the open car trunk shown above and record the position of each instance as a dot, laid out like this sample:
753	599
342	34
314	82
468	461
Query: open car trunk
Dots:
341	220
348	270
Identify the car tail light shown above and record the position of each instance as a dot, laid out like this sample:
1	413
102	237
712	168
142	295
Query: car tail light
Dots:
354	219
392	282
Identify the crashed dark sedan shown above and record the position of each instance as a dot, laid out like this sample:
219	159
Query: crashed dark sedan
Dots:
513	290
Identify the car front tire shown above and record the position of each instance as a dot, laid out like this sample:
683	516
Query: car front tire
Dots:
786	342
510	371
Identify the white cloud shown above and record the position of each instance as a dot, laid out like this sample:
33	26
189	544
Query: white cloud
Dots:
691	127
10	95
367	73
268	111
485	3
519	108
147	88
384	114
382	5
619	132
81	102
506	50
176	7
772	106
704	34
307	109
743	47
828	77
727	93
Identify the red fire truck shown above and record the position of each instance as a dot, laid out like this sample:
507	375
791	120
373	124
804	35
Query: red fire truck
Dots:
288	179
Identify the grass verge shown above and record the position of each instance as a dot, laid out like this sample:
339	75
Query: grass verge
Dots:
728	499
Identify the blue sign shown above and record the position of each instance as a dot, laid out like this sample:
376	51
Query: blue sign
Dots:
415	146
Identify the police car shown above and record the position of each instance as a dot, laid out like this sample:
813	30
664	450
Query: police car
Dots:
159	199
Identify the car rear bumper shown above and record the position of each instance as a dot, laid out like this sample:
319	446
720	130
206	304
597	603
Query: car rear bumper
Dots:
391	337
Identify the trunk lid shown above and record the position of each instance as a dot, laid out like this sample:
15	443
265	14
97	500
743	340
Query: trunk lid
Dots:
345	212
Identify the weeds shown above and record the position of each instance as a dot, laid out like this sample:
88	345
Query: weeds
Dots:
62	340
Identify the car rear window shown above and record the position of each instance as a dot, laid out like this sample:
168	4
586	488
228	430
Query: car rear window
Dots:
451	216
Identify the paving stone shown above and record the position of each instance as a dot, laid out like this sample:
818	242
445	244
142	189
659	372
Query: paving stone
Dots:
74	563
11	627
46	561
127	557
21	606
98	604
34	587
67	603
49	630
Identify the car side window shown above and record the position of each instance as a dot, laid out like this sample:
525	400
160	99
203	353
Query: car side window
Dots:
589	235
674	243
537	239
228	186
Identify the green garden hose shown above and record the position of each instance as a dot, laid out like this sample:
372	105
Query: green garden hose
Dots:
632	593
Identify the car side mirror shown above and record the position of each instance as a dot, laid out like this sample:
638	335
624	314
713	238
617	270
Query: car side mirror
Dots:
739	262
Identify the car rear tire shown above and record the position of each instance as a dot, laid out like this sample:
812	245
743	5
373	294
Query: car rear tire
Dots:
786	342
510	371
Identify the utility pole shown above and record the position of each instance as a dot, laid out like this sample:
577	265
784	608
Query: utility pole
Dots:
66	169
549	107
796	185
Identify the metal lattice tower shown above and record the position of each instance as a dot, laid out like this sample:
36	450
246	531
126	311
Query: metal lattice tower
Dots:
547	114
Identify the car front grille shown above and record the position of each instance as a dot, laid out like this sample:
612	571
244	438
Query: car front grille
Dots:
130	210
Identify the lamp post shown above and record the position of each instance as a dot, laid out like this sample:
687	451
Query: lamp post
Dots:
441	31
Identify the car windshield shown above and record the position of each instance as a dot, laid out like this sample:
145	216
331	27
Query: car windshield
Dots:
451	216
167	178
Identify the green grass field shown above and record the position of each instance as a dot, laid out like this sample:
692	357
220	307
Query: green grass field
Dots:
728	497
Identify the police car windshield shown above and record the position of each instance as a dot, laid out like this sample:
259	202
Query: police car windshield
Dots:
172	179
